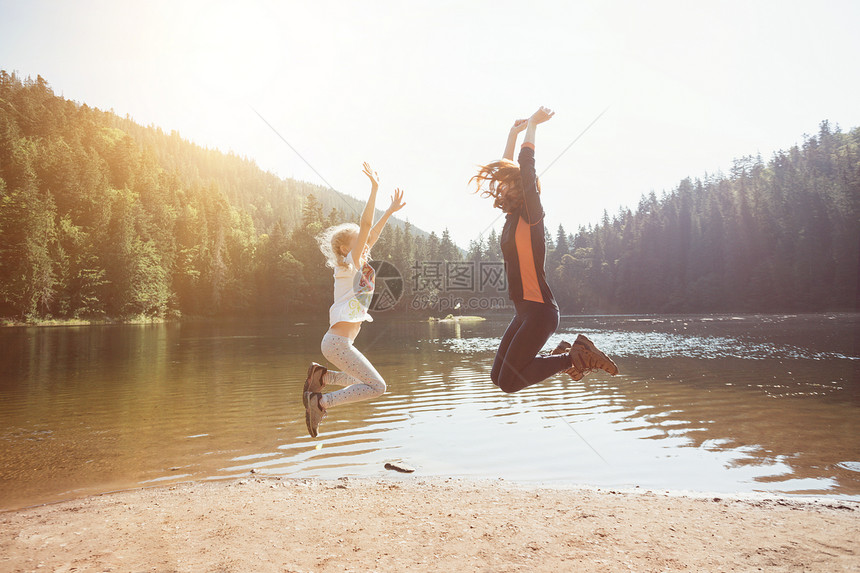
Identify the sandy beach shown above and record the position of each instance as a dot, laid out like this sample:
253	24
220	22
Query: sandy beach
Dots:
411	524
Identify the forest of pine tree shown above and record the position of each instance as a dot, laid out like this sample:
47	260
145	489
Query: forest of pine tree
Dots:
103	218
781	236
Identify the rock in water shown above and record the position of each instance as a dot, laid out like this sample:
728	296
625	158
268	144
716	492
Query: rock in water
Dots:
399	467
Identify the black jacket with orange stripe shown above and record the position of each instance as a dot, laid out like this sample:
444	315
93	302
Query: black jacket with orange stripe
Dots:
523	240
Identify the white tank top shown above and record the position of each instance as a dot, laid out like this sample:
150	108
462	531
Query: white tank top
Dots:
353	290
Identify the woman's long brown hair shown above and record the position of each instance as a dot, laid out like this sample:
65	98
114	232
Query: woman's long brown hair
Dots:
505	185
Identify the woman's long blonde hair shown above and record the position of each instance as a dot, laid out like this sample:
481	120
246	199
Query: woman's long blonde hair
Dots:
332	239
505	184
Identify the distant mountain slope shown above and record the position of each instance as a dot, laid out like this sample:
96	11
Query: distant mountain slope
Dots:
776	236
100	216
267	197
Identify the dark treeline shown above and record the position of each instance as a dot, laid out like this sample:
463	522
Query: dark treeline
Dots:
101	217
777	236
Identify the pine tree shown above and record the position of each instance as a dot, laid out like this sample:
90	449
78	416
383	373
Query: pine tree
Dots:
448	251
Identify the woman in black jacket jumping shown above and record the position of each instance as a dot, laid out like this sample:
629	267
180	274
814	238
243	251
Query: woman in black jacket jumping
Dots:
516	190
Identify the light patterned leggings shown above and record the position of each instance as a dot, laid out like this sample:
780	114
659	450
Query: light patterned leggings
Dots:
361	379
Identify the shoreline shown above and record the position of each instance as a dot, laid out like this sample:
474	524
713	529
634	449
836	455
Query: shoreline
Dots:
7	322
266	523
146	320
11	323
811	500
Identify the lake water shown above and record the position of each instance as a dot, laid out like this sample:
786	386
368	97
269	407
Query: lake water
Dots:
728	404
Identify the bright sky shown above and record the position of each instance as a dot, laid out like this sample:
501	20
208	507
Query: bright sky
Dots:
427	90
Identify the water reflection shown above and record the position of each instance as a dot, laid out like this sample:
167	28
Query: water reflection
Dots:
704	403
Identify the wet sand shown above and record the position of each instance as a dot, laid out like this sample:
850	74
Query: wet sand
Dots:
409	524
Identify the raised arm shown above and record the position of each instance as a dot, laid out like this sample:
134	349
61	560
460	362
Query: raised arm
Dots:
541	115
518	126
532	208
366	215
396	205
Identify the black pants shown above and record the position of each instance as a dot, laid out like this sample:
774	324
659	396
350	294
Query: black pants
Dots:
517	364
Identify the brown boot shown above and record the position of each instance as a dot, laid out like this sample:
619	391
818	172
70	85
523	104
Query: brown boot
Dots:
314	382
563	348
584	355
314	412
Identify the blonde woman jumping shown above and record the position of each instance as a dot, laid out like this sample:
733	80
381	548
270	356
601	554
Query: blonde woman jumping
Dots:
347	250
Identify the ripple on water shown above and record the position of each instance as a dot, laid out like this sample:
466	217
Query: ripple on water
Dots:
759	419
660	345
852	466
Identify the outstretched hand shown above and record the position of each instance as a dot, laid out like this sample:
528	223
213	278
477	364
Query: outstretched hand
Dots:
371	174
541	115
519	125
397	202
